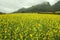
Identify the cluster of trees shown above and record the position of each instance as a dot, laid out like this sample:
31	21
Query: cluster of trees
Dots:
44	7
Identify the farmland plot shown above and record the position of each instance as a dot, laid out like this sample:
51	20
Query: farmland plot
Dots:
29	27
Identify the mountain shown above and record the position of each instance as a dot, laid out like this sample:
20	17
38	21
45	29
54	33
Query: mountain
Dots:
43	7
56	7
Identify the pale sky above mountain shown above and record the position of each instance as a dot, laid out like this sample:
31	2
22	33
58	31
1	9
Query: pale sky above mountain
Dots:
13	5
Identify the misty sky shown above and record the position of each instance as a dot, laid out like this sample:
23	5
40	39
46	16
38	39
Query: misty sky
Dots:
13	5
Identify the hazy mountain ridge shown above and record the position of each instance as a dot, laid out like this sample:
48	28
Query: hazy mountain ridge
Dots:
43	7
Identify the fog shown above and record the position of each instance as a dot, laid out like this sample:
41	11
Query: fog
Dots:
8	6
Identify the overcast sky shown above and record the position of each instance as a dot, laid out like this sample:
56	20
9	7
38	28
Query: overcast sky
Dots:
13	5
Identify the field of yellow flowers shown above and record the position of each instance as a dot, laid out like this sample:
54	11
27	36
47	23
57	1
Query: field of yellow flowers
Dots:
29	27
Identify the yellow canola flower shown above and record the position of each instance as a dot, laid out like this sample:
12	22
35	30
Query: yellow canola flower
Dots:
17	28
5	30
5	36
31	35
55	31
21	36
39	25
36	34
44	38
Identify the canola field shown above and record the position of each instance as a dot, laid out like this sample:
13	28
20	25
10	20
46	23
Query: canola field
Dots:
29	27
